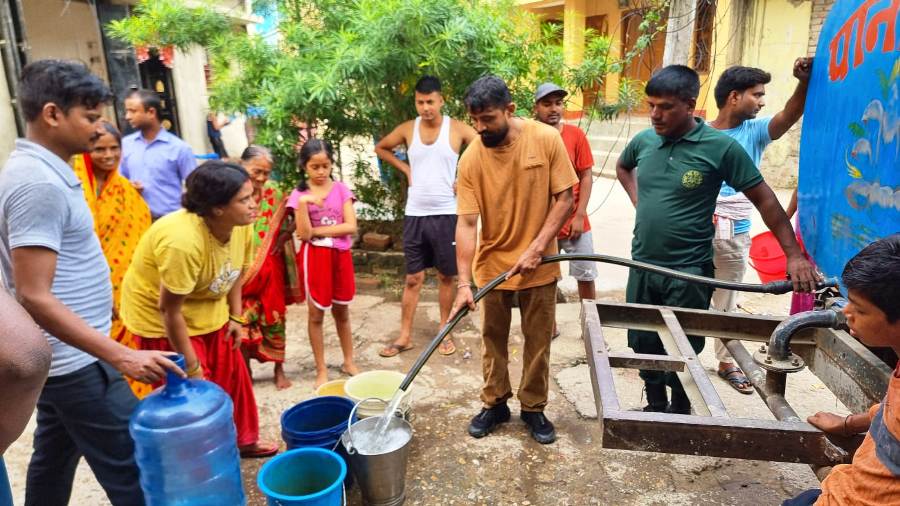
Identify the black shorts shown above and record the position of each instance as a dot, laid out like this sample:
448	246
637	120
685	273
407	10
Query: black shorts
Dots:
430	241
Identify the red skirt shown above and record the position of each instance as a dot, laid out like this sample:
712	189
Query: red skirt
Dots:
224	366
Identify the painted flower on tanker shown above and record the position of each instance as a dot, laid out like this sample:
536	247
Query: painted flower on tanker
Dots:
878	128
884	118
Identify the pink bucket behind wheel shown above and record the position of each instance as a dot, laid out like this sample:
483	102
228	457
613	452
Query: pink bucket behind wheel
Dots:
767	257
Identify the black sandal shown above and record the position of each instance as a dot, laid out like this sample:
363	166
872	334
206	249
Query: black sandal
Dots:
736	381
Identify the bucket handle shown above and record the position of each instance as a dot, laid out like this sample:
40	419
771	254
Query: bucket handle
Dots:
350	420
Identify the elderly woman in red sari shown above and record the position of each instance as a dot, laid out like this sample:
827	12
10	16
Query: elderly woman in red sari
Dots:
270	284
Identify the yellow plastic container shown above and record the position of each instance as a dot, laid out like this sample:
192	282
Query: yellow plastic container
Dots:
333	387
379	384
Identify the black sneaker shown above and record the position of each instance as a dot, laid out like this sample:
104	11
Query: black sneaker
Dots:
657	402
541	428
680	404
489	418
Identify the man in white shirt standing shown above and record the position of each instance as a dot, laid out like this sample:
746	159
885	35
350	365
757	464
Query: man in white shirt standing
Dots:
433	143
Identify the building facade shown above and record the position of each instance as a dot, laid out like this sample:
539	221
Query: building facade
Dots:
75	30
709	36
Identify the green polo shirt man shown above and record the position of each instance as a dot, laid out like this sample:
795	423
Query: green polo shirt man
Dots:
681	163
678	183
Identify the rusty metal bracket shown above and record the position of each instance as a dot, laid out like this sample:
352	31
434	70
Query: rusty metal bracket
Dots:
853	373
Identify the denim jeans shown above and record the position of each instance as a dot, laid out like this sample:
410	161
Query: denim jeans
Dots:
84	413
807	498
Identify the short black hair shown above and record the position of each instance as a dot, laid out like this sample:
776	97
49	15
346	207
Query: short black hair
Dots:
488	92
874	273
428	84
738	79
310	148
67	84
256	151
674	81
212	184
149	99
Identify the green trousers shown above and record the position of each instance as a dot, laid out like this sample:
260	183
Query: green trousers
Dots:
648	288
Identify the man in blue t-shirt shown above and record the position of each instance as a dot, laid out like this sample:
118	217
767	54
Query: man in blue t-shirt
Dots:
740	95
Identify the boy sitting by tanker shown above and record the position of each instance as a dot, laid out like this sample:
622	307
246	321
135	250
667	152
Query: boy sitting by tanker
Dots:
872	279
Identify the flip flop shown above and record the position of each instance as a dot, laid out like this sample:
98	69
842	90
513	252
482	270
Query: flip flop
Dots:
254	452
447	347
392	350
737	380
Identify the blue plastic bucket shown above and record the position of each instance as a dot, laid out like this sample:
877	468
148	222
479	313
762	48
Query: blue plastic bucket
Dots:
317	422
305	476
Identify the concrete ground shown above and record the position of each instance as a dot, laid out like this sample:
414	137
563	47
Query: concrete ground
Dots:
448	467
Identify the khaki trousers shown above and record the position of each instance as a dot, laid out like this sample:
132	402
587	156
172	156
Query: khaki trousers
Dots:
538	309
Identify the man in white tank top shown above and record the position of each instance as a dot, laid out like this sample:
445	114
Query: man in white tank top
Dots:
433	143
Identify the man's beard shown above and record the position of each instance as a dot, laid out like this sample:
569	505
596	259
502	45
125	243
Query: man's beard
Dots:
493	139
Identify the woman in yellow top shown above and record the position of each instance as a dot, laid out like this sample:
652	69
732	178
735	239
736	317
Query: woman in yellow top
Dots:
120	219
182	292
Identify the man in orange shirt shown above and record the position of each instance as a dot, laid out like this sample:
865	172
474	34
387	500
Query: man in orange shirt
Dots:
872	279
517	178
575	235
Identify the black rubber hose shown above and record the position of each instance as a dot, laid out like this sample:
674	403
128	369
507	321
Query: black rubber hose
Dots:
776	287
773	287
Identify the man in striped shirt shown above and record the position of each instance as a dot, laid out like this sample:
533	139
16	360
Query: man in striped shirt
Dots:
872	279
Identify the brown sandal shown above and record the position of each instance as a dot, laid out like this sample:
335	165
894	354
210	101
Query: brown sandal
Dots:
447	347
257	451
393	349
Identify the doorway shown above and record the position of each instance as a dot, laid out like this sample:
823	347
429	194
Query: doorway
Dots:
600	25
642	66
157	77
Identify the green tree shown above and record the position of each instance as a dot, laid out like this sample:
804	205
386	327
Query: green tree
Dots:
349	66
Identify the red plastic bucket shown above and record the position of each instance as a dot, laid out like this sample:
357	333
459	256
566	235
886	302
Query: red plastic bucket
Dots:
767	257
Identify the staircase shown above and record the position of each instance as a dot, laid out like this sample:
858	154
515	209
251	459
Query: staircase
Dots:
609	138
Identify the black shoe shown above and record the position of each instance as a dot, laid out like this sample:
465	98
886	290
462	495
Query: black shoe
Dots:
680	405
655	408
489	418
657	400
541	429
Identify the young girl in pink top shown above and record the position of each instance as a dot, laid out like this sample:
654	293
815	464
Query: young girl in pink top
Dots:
326	222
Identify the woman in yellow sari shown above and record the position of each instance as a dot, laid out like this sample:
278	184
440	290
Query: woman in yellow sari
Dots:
120	219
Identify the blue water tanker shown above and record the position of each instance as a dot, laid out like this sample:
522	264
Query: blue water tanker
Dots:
186	445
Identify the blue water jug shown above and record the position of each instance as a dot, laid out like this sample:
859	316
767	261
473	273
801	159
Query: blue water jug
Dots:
186	446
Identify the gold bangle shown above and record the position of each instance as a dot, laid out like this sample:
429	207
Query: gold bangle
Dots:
237	319
193	370
464	285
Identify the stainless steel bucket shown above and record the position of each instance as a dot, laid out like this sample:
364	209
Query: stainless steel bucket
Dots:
382	477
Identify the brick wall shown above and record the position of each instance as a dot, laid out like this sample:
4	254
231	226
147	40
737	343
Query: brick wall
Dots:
820	9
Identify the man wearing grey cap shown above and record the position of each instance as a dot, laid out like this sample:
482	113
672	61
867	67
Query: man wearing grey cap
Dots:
575	235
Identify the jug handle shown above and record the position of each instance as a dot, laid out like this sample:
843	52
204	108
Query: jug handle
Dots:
350	419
